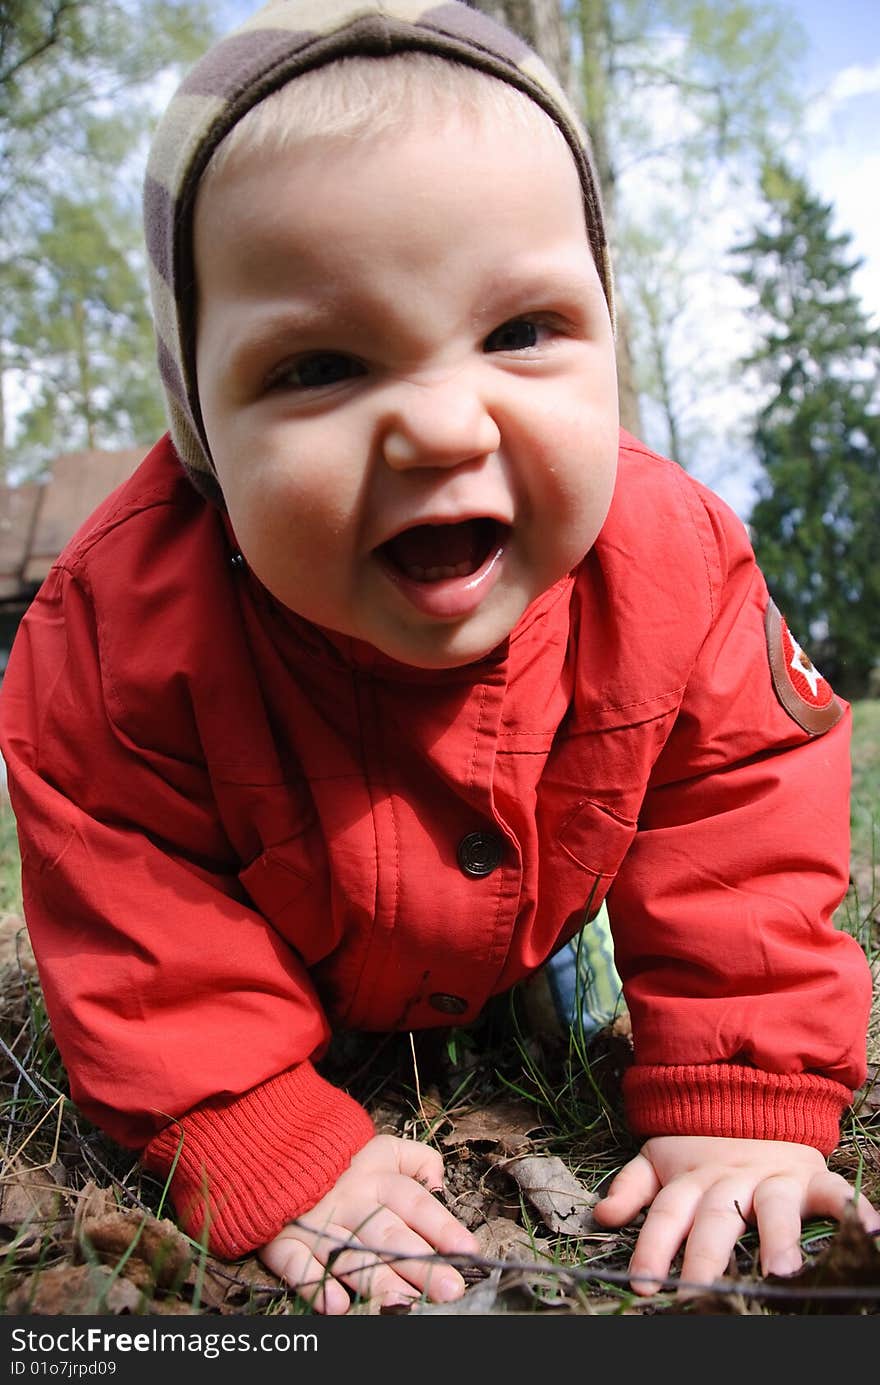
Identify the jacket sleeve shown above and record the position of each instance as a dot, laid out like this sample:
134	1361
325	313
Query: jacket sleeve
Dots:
749	1007
186	1025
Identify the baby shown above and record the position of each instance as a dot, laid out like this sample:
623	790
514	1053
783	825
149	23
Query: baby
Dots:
393	661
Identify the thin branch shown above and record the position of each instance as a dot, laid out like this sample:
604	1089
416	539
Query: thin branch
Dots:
51	38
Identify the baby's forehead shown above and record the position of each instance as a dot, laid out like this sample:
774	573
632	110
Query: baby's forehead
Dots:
458	168
361	99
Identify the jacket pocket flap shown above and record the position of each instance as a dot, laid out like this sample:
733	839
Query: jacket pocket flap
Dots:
277	877
595	838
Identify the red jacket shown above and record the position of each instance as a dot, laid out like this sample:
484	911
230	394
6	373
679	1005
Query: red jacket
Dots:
239	832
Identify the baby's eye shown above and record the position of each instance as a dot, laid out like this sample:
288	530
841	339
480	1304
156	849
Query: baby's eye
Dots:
519	334
316	370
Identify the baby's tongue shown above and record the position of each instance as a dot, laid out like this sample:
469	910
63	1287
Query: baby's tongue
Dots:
429	552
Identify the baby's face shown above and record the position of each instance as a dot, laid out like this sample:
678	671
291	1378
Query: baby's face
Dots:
407	378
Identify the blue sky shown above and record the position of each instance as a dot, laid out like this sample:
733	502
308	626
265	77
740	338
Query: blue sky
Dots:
840	148
841	33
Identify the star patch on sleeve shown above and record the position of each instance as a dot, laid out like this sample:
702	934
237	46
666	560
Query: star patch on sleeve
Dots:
798	684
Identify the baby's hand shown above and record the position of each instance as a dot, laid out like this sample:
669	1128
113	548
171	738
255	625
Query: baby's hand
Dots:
382	1203
705	1191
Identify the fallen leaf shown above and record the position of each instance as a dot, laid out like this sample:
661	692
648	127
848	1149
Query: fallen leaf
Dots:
155	1254
502	1239
15	945
31	1201
563	1202
851	1262
480	1299
230	1287
719	1306
75	1290
506	1123
867	1098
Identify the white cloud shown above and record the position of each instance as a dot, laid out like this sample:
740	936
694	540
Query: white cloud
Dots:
847	85
850	179
841	158
855	81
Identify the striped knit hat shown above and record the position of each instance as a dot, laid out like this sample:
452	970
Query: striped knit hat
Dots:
281	40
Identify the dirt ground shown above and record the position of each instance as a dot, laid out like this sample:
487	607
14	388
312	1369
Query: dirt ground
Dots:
83	1231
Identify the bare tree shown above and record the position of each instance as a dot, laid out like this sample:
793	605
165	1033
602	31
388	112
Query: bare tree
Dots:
546	28
543	26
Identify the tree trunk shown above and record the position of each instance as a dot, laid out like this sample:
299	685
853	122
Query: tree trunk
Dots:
597	46
544	26
4	461
85	374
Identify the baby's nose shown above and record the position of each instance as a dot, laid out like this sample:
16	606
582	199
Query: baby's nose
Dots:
440	424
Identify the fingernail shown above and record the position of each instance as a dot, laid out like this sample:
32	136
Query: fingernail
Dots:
447	1288
643	1285
787	1262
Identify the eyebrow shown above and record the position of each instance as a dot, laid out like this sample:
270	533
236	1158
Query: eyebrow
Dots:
274	331
554	280
277	330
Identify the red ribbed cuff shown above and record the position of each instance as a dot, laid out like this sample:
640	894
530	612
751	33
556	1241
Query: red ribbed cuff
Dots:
735	1102
249	1164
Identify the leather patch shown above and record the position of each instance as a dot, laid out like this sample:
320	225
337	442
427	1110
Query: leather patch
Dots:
798	684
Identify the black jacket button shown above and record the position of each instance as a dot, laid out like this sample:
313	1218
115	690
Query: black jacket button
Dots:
447	1004
479	853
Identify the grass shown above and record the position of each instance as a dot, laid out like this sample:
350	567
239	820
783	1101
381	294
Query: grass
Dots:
864	898
82	1229
10	865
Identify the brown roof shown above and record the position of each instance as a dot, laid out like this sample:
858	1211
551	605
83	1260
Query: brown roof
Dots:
18	513
36	521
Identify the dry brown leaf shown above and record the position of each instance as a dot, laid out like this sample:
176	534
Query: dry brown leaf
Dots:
75	1290
93	1202
507	1123
500	1238
851	1262
563	1202
867	1098
157	1255
30	1199
15	945
229	1287
719	1306
479	1300
621	1026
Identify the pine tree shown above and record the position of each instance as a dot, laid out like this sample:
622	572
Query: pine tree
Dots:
816	523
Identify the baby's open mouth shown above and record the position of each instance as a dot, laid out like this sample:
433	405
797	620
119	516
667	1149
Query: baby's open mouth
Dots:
435	552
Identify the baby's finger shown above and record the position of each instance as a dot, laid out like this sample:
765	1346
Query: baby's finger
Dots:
669	1220
829	1195
293	1262
425	1215
631	1190
367	1271
419	1161
385	1260
719	1221
777	1205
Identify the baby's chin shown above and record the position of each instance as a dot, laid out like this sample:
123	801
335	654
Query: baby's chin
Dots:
449	647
